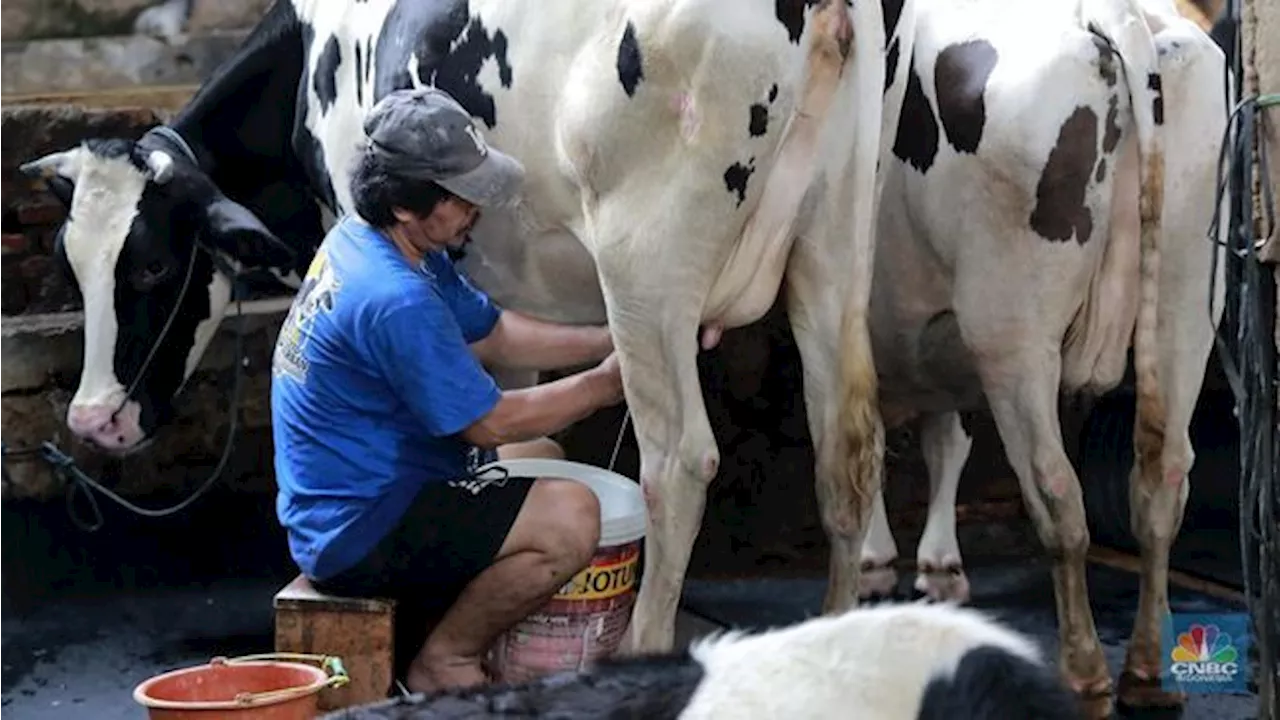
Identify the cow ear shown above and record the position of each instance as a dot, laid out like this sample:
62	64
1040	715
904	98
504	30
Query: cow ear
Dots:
58	170
238	232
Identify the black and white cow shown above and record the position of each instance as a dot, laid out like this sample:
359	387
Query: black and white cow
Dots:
1046	212
682	158
900	662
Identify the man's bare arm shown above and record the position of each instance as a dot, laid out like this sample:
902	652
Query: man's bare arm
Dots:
546	409
521	342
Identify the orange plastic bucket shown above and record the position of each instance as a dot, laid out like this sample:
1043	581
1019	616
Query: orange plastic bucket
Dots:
254	687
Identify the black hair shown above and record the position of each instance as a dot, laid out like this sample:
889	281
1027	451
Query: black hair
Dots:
376	191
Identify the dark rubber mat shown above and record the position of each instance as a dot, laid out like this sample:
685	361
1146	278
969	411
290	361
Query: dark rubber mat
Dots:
1020	595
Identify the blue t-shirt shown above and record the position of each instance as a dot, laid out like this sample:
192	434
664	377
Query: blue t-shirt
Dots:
372	380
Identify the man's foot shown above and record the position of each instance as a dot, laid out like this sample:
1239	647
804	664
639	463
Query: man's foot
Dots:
445	673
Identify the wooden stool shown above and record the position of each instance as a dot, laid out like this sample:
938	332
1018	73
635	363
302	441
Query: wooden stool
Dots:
357	630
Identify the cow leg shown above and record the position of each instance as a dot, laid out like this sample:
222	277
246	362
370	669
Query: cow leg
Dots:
939	569
1020	377
654	321
879	576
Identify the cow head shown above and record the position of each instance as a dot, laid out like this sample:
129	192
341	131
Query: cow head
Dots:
146	234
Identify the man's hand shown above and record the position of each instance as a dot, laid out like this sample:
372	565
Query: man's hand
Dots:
608	375
545	409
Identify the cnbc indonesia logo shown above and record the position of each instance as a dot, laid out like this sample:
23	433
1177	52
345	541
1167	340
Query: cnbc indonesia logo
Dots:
1204	654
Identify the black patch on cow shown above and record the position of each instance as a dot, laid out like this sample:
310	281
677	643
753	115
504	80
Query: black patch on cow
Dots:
736	177
630	65
326	77
1060	211
791	14
960	75
1102	170
242	123
1111	132
759	122
773	92
368	65
305	145
1106	57
917	139
891	63
892	13
1155	85
359	74
991	682
429	31
657	687
308	149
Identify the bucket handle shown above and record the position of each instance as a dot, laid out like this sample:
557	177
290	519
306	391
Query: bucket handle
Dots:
331	664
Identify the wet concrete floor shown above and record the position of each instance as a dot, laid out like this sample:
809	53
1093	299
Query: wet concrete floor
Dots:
88	616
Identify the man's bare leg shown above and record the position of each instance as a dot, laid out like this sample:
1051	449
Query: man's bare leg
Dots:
541	448
554	536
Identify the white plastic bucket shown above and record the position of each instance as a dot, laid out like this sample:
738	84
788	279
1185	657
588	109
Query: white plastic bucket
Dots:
587	617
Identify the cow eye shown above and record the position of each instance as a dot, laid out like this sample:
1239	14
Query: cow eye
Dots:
152	274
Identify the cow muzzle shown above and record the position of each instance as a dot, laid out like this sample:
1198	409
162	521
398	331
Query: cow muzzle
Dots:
100	425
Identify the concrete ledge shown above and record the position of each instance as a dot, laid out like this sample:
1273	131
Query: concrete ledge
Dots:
36	347
46	66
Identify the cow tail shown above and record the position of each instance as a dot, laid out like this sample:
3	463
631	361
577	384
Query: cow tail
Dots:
1123	24
994	683
859	422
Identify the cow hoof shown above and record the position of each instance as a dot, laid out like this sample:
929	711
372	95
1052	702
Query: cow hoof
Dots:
1141	690
877	582
1096	701
944	584
1097	707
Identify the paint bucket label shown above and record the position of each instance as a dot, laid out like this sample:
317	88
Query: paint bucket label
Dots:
583	622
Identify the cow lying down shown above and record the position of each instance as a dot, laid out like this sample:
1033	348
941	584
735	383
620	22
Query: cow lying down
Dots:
894	662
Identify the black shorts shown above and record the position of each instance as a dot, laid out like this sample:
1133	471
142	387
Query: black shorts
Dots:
451	532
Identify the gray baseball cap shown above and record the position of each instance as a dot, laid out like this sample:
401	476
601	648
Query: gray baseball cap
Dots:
424	133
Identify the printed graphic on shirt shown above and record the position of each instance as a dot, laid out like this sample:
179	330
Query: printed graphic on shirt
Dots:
318	293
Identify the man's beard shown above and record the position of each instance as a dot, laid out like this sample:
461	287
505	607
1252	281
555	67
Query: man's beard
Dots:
458	251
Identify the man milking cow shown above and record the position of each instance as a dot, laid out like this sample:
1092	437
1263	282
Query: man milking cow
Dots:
382	407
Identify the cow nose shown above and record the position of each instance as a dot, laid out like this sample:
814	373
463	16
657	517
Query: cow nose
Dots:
86	420
104	427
